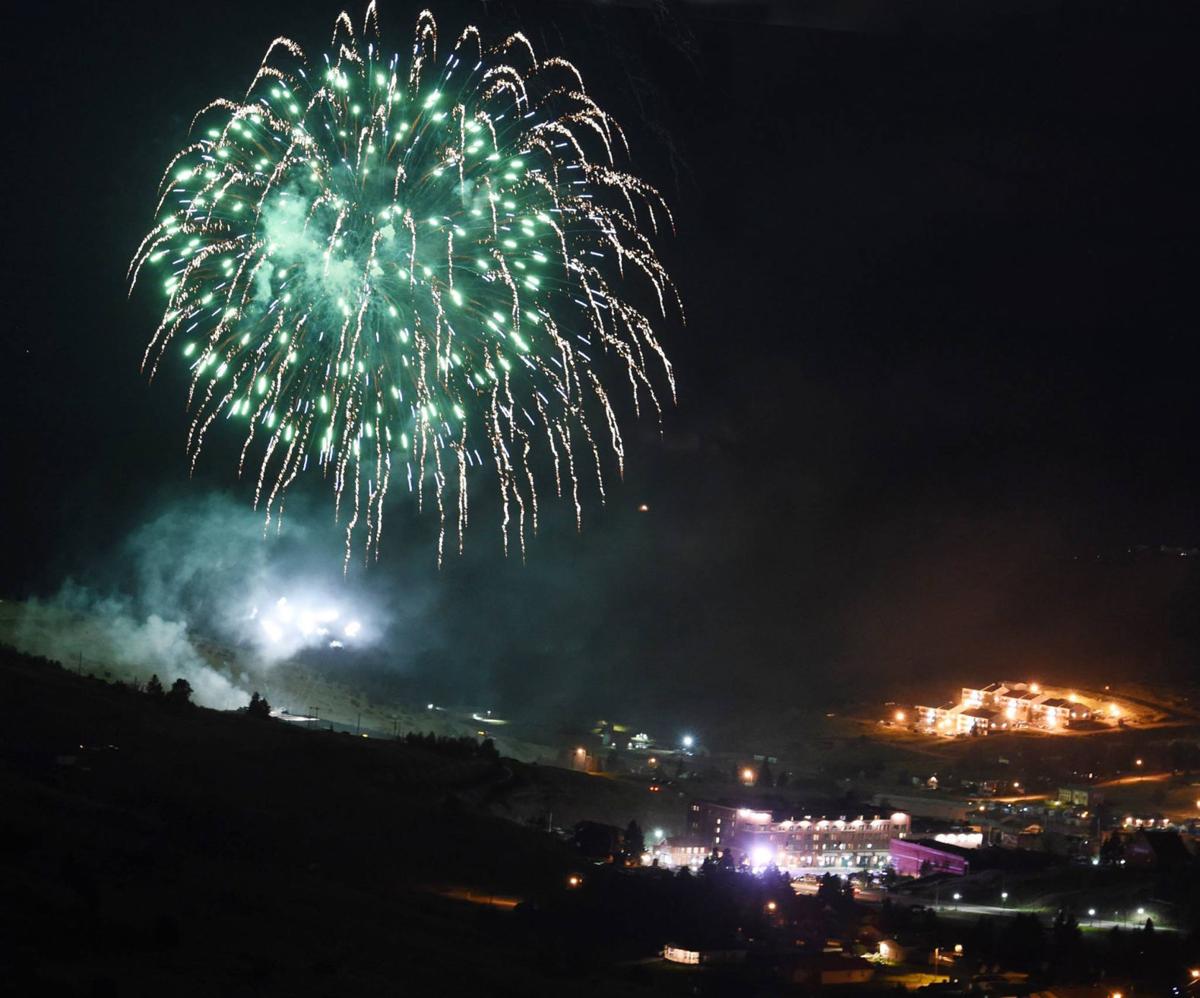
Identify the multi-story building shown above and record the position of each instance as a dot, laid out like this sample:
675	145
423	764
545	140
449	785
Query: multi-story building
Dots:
956	719
1003	705
796	843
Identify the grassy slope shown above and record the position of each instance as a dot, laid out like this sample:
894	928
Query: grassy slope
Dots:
210	853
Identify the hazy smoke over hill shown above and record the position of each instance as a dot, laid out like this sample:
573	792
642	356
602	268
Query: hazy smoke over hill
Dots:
77	627
203	570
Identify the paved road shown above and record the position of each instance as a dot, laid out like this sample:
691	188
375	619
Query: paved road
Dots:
475	896
952	908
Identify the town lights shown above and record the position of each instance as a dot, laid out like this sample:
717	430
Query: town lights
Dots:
761	856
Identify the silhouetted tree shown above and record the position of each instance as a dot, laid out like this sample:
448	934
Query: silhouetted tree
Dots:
154	688
1021	943
1067	943
764	774
834	891
258	706
635	841
180	694
1113	849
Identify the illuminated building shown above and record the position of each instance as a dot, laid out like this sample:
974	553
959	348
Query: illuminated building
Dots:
919	858
1003	705
681	850
796	843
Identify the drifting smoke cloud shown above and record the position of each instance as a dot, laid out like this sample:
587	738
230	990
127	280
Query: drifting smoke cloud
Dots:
208	561
79	626
204	570
298	250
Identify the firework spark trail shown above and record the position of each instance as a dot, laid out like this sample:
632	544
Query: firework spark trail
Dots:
369	266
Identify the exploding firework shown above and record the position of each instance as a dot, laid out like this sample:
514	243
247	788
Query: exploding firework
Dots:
411	270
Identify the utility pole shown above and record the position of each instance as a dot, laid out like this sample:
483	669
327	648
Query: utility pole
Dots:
358	723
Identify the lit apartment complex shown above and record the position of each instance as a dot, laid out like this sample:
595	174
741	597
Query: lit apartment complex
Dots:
1001	706
795	844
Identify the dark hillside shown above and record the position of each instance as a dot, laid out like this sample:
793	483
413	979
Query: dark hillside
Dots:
151	850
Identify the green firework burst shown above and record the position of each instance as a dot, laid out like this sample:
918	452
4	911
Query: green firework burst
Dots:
415	270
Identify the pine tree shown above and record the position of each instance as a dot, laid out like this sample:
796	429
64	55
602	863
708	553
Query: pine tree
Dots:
764	774
635	842
181	693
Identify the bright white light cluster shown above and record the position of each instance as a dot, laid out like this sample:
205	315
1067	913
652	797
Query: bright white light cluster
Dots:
287	626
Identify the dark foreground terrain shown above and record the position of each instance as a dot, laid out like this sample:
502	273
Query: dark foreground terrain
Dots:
147	849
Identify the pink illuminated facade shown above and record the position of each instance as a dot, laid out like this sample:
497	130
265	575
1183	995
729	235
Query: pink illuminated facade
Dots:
920	859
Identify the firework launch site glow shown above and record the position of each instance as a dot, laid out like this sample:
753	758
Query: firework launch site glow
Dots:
305	624
383	267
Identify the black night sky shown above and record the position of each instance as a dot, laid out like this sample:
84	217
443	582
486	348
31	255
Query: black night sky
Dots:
938	376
